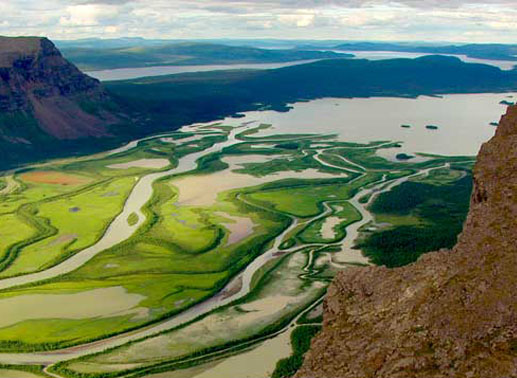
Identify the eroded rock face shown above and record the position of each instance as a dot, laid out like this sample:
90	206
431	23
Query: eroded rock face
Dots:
452	313
37	83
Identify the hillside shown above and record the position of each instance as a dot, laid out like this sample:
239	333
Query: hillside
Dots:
452	313
187	98
492	51
185	53
46	103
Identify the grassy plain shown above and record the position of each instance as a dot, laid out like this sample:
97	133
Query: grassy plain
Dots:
79	220
185	252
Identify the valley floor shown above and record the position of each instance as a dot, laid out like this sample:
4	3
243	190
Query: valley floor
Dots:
198	252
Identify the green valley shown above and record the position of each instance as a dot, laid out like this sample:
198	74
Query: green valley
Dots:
237	238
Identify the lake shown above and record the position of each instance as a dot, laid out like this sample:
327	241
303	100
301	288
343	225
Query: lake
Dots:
382	55
463	121
133	73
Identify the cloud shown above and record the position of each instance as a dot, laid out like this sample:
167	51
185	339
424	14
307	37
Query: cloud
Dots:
298	20
439	20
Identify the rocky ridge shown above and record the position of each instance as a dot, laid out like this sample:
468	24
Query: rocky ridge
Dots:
37	83
450	314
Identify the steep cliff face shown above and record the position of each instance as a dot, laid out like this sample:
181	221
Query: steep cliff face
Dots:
452	313
42	94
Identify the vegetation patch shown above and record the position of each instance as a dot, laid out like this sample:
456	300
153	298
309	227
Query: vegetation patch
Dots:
301	343
132	219
54	178
437	213
332	228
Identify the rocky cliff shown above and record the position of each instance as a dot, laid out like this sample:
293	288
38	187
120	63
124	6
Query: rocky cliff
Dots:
452	313
47	106
37	83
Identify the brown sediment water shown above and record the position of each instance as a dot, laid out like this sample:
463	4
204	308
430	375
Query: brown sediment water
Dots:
193	189
10	373
328	227
242	281
239	228
259	362
142	163
97	303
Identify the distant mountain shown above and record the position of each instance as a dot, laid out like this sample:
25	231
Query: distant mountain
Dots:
109	43
481	51
186	98
271	43
45	101
186	53
450	314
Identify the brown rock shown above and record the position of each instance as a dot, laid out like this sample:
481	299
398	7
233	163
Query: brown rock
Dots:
36	82
450	314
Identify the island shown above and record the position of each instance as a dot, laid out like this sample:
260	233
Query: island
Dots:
403	156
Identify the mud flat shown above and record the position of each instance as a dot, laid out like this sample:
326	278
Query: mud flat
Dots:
259	362
9	373
142	163
193	189
239	227
11	185
327	229
104	302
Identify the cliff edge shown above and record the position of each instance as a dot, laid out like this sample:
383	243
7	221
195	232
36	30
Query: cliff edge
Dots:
46	103
452	313
37	83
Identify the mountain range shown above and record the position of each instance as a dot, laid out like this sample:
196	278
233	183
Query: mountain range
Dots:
184	53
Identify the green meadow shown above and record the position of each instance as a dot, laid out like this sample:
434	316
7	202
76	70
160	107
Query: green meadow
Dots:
257	225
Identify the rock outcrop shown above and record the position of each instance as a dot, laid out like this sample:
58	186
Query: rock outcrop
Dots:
38	87
452	313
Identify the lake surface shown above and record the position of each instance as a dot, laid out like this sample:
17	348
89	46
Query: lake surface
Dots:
382	55
463	121
133	73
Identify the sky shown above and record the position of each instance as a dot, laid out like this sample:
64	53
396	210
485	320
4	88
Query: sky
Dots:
403	20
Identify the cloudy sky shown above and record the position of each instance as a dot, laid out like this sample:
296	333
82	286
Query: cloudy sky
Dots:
423	20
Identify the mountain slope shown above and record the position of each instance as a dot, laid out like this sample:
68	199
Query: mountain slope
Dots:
44	99
452	313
